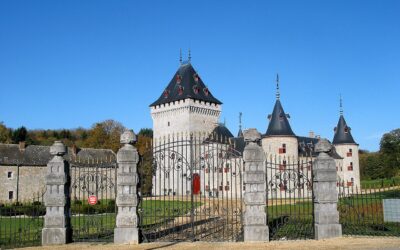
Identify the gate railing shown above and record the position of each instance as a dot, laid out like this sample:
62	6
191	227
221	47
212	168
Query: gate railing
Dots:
289	197
191	189
21	222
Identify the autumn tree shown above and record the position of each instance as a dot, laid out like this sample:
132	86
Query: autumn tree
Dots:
105	134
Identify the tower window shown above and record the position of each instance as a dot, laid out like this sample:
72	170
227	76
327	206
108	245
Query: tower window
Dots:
180	90
282	150
350	152
178	79
9	174
10	195
168	124
206	92
350	168
346	129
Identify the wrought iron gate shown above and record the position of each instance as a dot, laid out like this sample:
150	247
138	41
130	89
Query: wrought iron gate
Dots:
191	189
289	198
93	192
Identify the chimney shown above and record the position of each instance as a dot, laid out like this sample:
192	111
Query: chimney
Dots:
22	146
311	134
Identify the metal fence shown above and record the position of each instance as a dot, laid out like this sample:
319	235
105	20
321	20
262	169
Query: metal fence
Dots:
370	210
21	222
191	189
93	193
289	198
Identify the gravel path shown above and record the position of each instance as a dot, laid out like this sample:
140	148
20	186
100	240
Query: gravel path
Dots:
366	243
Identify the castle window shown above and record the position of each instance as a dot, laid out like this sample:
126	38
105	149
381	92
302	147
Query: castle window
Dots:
168	124
206	92
350	153
196	89
282	166
9	175
196	77
350	168
166	93
346	129
180	90
282	150
178	79
10	195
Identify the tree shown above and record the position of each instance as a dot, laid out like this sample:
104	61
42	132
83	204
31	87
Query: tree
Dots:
390	150
105	134
4	134
148	132
20	134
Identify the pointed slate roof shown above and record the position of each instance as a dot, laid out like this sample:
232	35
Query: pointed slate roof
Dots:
279	124
186	83
342	132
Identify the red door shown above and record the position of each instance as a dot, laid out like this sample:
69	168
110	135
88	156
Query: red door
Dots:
196	184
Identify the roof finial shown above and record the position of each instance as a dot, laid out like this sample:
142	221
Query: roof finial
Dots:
278	95
190	56
180	55
240	120
341	105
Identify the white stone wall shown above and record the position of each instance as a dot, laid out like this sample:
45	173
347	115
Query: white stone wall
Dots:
271	145
346	175
184	116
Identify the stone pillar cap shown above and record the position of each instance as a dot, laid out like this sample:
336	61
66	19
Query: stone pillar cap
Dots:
323	145
251	135
58	148
128	137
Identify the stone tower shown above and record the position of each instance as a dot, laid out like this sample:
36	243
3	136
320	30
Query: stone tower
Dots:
279	140
186	106
347	148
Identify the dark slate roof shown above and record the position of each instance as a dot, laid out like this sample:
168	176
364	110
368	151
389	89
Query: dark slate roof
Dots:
279	124
307	145
35	155
186	84
343	133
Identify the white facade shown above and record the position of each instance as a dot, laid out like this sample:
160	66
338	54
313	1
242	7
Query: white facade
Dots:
349	167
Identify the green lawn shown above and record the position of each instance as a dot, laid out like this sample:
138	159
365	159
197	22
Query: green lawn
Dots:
379	183
89	224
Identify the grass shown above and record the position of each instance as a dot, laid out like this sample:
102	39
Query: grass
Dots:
22	231
379	183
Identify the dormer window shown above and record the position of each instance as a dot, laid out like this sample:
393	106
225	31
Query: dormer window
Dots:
281	117
196	89
166	93
180	90
178	79
196	77
346	129
206	92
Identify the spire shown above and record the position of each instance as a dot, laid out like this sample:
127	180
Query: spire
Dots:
190	56
240	133
279	124
342	133
240	120
341	105
278	95
180	56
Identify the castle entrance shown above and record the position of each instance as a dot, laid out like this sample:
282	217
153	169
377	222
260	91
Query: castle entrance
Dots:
190	190
290	208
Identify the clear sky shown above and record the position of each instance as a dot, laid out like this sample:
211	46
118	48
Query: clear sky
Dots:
65	64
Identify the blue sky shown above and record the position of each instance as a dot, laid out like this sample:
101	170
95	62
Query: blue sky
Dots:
65	64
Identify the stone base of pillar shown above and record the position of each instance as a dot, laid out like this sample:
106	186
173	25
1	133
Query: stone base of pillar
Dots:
126	235
327	231
256	233
56	236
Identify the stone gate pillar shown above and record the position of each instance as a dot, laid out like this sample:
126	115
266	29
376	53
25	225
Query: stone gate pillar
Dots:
126	230
57	221
255	217
326	215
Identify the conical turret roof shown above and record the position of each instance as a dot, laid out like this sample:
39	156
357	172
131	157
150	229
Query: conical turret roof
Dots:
279	124
342	132
185	84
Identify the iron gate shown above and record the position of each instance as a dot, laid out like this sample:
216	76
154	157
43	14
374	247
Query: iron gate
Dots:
289	198
191	189
93	192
